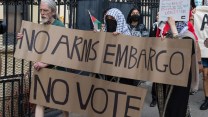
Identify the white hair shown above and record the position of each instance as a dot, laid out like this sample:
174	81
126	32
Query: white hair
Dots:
52	5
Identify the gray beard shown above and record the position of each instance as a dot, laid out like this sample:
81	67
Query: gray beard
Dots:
44	20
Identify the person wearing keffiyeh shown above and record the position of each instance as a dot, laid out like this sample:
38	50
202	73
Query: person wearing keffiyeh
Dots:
165	31
115	22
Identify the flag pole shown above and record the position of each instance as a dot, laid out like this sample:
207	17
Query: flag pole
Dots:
91	18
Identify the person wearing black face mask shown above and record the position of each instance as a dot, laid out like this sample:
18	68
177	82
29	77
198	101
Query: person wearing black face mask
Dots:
135	24
115	22
135	18
111	25
137	28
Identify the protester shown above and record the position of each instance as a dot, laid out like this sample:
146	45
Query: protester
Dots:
204	106
192	12
137	28
135	23
115	22
173	100
198	2
195	80
48	17
153	31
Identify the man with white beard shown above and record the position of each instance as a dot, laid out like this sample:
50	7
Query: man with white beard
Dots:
48	17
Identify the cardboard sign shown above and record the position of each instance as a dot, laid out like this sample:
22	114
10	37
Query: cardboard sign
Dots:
148	59
178	9
201	29
87	96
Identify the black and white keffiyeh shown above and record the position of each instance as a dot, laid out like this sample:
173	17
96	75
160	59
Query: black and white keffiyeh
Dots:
120	19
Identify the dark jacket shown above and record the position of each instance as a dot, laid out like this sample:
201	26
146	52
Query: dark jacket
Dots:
139	31
2	27
153	30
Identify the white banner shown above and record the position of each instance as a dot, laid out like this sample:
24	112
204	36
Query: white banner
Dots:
201	28
178	9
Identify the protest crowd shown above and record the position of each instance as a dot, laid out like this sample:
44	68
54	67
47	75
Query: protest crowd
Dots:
171	100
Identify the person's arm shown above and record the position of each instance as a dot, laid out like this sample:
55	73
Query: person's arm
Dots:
172	25
19	35
116	33
39	65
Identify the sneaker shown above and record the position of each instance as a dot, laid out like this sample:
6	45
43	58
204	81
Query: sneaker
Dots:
193	92
153	103
204	106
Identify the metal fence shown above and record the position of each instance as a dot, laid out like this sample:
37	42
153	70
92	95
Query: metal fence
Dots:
16	75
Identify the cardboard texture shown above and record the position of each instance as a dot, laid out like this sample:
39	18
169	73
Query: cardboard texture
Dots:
87	96
201	28
149	59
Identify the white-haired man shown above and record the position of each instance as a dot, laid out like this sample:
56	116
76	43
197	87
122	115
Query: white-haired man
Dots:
48	17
